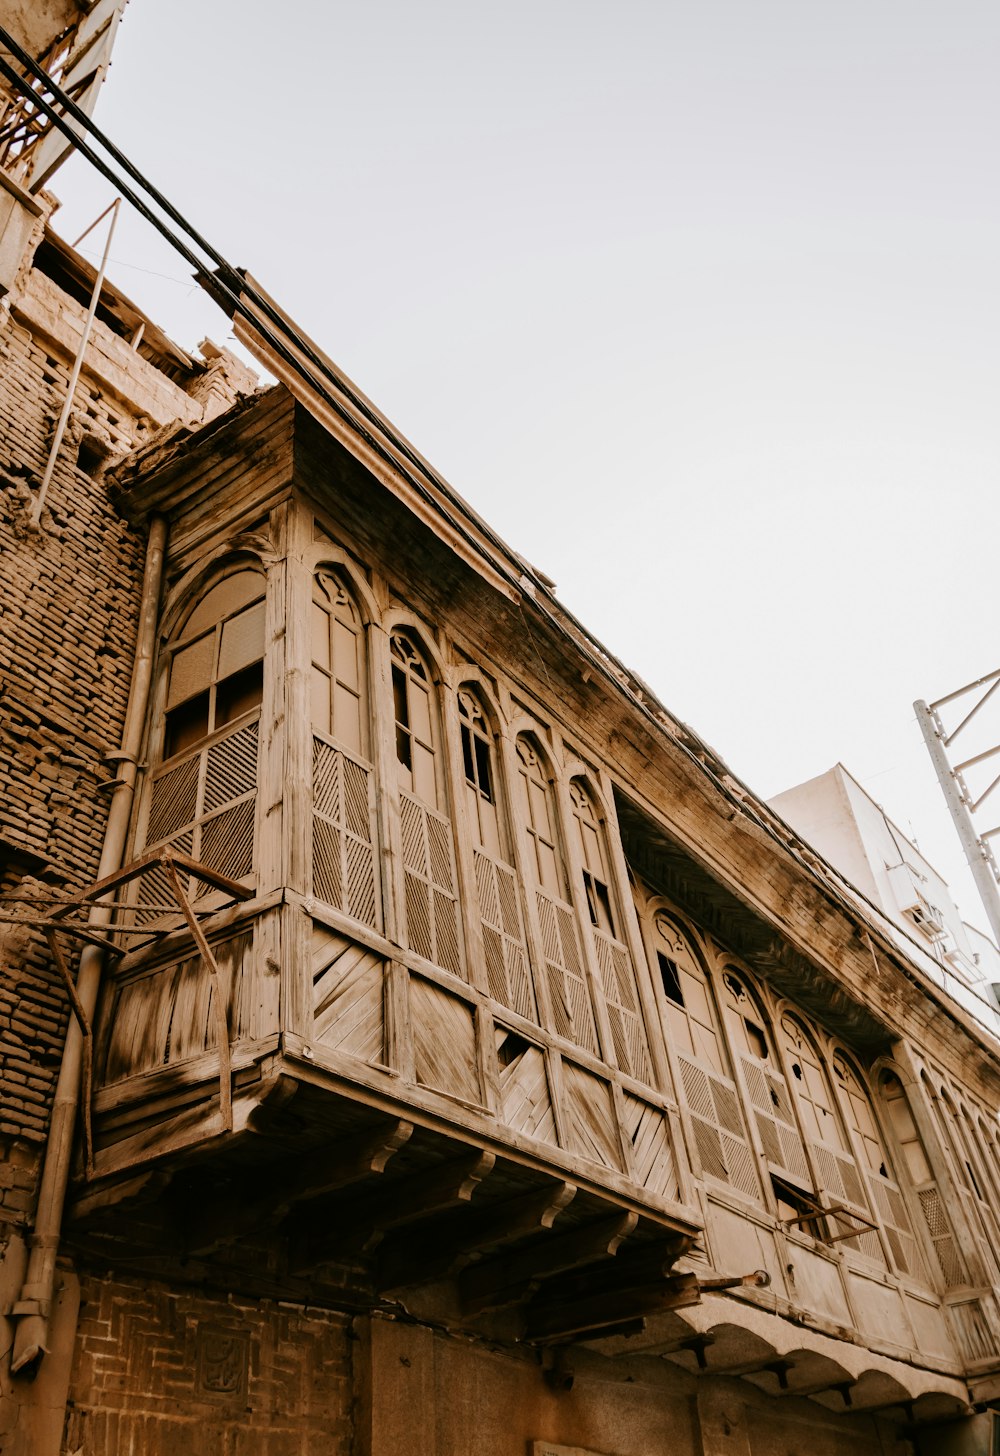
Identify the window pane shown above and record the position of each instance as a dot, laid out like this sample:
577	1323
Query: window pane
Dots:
484	772
191	670
238	694
226	597
345	655
242	640
400	702
420	712
186	725
423	775
467	758
548	872
320	637
320	688
347	718
538	804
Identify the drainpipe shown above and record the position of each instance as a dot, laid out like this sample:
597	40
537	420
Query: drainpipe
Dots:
32	1310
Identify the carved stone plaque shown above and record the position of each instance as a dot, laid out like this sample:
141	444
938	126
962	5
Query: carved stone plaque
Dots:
223	1362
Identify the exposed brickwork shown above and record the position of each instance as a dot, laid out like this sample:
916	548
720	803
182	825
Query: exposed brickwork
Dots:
162	1370
69	599
18	1177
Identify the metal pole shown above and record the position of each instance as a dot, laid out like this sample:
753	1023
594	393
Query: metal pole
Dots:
975	851
57	439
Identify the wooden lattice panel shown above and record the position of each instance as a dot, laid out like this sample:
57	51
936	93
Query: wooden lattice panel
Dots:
343	839
503	937
622	999
572	1013
348	995
429	880
775	1120
723	1150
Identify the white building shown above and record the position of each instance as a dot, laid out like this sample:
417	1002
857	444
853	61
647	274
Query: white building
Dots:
845	824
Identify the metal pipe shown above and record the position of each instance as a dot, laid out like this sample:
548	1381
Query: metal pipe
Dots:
32	1310
976	853
57	438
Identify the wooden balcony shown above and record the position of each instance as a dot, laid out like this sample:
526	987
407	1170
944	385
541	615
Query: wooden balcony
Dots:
364	1129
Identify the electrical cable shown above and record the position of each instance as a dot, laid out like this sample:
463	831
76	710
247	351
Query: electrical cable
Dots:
227	282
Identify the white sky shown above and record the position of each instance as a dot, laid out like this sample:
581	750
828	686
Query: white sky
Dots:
696	303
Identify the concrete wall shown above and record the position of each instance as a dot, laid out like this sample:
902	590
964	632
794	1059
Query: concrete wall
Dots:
423	1394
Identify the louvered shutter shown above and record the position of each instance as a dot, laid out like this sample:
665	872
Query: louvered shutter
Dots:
775	1120
429	885
568	994
503	936
343	834
621	997
723	1150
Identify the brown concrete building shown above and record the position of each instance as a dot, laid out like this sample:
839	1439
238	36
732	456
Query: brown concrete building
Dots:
467	1061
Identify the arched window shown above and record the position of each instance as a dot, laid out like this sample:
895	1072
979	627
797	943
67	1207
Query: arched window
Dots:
877	1166
344	862
706	1079
201	796
432	927
917	1163
339	691
416	726
837	1171
496	881
621	994
767	1092
572	1014
216	662
981	1218
479	767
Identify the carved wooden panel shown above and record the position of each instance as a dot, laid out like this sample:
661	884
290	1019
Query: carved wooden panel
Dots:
652	1155
444	1041
590	1117
348	984
168	1016
525	1100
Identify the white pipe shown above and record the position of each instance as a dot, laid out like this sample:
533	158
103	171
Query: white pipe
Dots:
33	1308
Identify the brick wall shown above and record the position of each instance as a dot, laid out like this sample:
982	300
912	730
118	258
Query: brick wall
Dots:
161	1370
70	602
69	597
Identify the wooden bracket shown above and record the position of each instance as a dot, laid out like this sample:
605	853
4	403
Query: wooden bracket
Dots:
356	1226
551	1319
506	1280
455	1241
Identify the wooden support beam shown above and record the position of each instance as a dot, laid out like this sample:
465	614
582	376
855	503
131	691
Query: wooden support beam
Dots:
586	1316
506	1280
356	1226
244	1208
450	1243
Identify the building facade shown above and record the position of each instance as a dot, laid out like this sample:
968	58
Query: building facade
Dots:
452	1054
